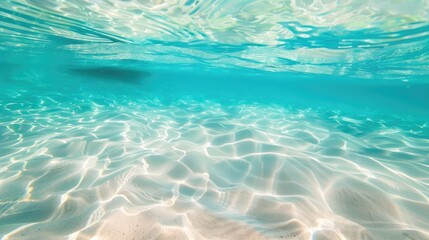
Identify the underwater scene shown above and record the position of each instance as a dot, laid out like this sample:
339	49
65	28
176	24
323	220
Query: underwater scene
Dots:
214	119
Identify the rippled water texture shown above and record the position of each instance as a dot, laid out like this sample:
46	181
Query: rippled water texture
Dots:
214	119
351	37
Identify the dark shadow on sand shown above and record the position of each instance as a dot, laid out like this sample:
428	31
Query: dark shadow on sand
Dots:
125	75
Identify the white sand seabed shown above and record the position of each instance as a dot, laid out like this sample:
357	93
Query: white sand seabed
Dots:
206	171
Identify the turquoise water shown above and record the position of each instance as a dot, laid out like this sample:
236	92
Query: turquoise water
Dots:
214	119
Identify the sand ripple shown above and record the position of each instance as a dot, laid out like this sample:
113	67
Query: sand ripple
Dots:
202	170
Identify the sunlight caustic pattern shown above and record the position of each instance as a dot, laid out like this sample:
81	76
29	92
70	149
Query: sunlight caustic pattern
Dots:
200	169
214	119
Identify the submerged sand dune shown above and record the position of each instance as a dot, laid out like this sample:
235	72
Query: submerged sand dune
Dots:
202	170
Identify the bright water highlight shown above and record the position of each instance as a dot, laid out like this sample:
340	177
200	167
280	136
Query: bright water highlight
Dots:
214	119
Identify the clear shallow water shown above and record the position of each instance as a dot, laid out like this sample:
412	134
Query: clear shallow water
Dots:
214	120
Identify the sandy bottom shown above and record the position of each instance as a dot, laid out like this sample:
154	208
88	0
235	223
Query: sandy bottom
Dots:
202	170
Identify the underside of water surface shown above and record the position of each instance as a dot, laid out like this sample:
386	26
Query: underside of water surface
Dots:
214	119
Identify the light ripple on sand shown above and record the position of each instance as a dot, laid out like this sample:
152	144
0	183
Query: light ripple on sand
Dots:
201	170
